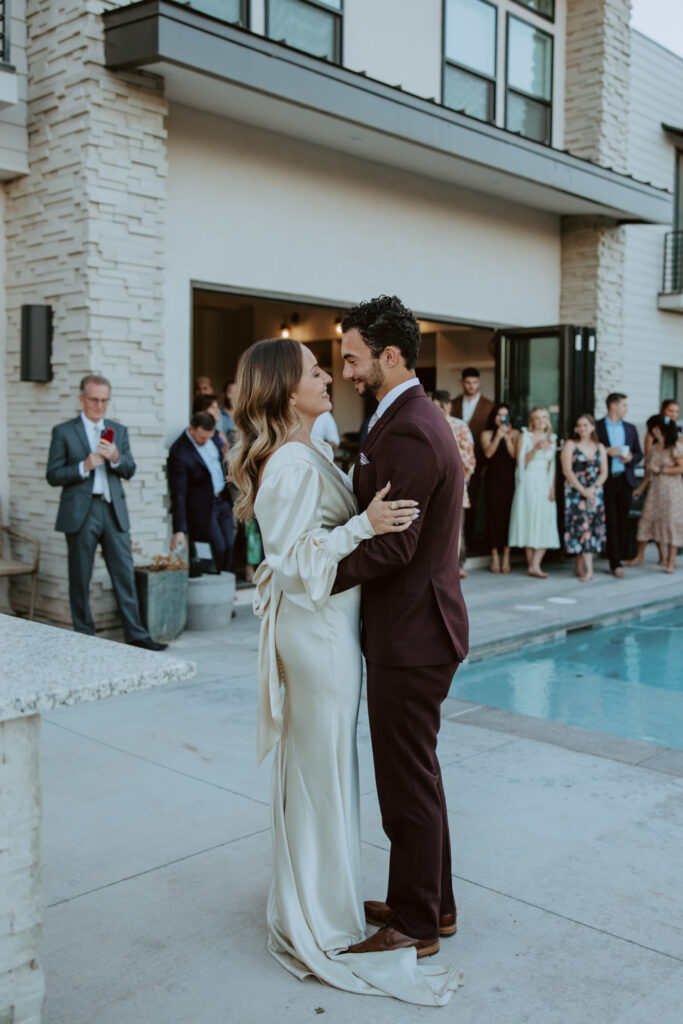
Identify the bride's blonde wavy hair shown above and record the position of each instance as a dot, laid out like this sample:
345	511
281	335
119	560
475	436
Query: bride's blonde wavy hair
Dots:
267	374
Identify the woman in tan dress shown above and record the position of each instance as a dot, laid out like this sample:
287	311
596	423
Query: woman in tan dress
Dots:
662	517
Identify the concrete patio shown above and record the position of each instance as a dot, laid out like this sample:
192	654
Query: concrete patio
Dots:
566	846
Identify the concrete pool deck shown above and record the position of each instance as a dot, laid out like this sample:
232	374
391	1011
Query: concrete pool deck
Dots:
157	849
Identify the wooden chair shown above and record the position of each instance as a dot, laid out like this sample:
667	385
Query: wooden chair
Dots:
12	567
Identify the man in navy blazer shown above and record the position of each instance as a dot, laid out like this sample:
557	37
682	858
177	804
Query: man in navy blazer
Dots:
414	621
623	455
200	505
92	509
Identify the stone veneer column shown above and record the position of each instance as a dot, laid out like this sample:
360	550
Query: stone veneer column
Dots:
85	235
598	52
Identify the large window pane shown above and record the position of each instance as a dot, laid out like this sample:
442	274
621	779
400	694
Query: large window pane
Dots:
305	27
530	59
542	6
529	117
469	93
226	10
471	35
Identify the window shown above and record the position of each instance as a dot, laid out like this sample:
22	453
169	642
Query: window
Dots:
469	77
678	211
232	11
310	25
544	7
4	32
671	384
529	80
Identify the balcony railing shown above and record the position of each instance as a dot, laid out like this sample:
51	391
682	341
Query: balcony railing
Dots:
672	283
4	31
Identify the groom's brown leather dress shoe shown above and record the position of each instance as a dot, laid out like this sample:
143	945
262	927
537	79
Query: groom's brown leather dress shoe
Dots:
380	913
387	938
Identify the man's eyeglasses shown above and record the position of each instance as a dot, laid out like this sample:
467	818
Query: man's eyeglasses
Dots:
95	401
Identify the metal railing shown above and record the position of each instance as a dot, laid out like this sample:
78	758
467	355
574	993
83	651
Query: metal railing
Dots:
4	31
672	282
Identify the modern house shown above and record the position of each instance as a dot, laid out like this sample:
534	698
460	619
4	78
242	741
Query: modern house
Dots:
181	179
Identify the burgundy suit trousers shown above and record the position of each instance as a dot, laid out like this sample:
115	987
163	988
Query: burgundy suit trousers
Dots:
404	706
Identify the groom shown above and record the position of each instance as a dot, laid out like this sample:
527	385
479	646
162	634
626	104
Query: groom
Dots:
414	622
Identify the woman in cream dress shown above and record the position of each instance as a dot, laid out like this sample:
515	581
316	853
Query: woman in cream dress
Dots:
310	676
533	519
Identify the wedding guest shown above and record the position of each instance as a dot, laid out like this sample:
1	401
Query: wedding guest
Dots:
662	516
533	519
473	408
203	386
227	423
326	429
584	464
623	451
670	410
209	403
498	444
465	442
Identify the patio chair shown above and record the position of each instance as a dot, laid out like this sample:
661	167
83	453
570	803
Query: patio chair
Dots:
13	567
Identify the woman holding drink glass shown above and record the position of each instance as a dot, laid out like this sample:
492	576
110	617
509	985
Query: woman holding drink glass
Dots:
584	464
498	444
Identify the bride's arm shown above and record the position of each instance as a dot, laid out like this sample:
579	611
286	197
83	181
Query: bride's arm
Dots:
301	553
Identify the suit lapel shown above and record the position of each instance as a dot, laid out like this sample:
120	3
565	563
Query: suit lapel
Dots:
195	454
81	434
417	391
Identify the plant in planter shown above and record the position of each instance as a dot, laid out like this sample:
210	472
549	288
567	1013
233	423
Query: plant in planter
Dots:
162	595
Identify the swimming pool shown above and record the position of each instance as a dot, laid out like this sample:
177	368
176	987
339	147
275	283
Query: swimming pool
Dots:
626	680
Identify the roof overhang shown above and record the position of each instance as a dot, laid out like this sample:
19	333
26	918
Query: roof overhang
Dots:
237	74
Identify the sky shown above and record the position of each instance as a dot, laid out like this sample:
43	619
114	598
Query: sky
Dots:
662	20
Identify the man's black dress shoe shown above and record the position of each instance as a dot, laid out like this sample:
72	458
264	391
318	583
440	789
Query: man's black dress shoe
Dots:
148	644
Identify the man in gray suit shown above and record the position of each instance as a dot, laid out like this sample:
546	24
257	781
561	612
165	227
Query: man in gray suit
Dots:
89	467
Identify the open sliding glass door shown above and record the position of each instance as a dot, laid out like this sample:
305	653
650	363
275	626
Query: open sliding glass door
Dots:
548	366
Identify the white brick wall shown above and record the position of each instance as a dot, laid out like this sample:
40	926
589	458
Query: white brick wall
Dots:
597	80
21	978
85	234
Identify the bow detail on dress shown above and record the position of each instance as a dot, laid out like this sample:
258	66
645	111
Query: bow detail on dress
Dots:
265	605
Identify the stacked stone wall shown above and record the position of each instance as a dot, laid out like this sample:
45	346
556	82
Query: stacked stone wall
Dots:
85	235
598	68
598	54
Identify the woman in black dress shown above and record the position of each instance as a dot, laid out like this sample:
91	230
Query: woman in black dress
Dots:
498	444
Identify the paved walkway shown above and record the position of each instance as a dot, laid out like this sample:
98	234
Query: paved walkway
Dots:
157	849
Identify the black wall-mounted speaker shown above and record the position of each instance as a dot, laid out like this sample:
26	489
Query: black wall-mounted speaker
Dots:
36	343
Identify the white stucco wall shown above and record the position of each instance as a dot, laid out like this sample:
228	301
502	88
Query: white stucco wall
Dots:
254	210
652	338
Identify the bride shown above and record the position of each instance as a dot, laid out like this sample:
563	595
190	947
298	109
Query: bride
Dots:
310	674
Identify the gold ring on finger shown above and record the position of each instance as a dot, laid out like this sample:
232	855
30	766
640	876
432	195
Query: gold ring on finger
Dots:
394	506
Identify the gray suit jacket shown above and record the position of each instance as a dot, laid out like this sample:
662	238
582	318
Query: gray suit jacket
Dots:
68	447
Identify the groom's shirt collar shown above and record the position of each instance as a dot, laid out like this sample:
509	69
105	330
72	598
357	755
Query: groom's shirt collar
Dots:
392	395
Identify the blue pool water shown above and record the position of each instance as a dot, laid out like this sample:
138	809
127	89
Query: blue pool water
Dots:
626	680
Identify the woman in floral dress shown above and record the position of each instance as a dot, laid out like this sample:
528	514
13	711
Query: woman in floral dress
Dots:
662	518
584	463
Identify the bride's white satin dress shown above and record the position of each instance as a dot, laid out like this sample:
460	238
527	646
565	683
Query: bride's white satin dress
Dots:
309	693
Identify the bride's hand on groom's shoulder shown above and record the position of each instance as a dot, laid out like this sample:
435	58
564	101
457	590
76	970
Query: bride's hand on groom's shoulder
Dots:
391	516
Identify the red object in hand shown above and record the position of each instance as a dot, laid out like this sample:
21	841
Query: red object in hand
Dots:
107	435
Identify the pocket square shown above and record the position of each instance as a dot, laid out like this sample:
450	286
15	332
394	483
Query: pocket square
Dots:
364	460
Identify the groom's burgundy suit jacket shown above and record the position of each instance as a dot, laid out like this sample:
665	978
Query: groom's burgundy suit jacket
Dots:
412	608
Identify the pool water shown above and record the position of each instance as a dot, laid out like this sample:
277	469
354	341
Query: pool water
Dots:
626	680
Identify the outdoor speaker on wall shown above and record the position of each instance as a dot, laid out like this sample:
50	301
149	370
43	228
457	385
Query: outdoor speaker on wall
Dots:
36	343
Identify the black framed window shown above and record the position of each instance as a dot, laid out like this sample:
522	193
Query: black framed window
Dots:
469	67
4	31
544	7
678	195
529	95
671	383
235	12
314	26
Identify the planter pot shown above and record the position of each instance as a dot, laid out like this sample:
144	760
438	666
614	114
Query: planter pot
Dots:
162	597
210	601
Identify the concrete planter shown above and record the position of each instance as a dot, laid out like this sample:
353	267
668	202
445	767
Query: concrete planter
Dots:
210	601
162	597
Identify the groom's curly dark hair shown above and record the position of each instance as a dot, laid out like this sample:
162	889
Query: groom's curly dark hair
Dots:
386	321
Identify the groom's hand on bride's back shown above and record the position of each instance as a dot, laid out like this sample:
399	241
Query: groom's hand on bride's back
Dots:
391	516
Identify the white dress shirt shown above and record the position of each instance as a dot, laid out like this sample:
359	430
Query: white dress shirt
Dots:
325	428
93	432
468	407
391	397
